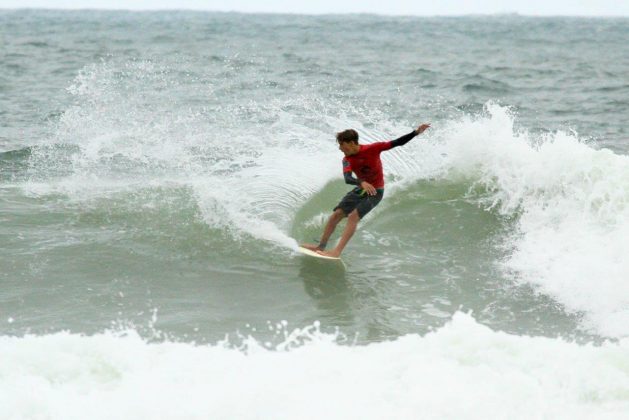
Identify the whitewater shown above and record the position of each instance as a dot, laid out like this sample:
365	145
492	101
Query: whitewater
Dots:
463	370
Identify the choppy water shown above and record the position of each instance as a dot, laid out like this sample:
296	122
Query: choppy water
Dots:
157	170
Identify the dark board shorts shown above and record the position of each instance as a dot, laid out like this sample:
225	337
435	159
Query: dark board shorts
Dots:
358	199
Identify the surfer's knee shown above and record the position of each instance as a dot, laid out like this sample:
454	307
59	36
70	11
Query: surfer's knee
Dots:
338	214
353	217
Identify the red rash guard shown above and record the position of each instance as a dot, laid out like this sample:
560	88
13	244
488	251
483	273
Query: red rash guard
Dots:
366	164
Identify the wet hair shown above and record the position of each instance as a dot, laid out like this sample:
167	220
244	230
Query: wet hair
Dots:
347	136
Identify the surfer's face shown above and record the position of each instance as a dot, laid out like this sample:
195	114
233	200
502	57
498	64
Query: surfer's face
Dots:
349	148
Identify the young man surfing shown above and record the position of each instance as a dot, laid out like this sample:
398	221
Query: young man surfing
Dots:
364	161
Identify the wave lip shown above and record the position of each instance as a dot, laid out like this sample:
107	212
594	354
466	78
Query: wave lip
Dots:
571	203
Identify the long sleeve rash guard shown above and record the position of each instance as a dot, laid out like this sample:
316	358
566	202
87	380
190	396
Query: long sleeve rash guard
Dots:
366	163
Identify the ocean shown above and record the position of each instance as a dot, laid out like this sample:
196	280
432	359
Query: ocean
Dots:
158	169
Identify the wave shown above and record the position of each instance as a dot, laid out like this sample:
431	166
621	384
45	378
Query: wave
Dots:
462	370
252	169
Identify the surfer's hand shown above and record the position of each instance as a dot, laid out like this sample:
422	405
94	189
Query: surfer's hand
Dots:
422	128
368	187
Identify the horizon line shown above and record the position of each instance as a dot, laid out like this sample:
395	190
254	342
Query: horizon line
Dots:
176	9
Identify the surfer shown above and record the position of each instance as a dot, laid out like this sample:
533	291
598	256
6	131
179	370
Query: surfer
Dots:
364	161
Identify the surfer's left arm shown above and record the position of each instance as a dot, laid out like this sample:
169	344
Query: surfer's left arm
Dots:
408	137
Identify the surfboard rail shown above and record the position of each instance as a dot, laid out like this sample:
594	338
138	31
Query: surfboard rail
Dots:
310	253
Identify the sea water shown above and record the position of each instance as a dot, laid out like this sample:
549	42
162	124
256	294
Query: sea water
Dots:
158	169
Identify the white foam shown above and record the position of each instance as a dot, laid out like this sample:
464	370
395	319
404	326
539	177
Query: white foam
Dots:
463	370
571	202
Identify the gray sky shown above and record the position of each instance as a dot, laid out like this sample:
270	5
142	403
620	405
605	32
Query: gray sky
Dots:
387	7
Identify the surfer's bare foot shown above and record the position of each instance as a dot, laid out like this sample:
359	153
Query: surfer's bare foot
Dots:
332	253
311	247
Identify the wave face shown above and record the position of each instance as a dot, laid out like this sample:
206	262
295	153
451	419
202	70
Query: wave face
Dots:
557	205
308	375
565	202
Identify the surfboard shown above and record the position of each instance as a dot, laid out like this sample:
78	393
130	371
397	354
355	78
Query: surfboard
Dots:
310	253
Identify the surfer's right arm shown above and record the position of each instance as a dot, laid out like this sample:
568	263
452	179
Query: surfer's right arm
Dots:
349	179
347	174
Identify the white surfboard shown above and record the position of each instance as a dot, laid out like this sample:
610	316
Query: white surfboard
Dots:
310	253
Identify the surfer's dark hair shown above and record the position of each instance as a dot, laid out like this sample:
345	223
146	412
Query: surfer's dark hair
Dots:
347	136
